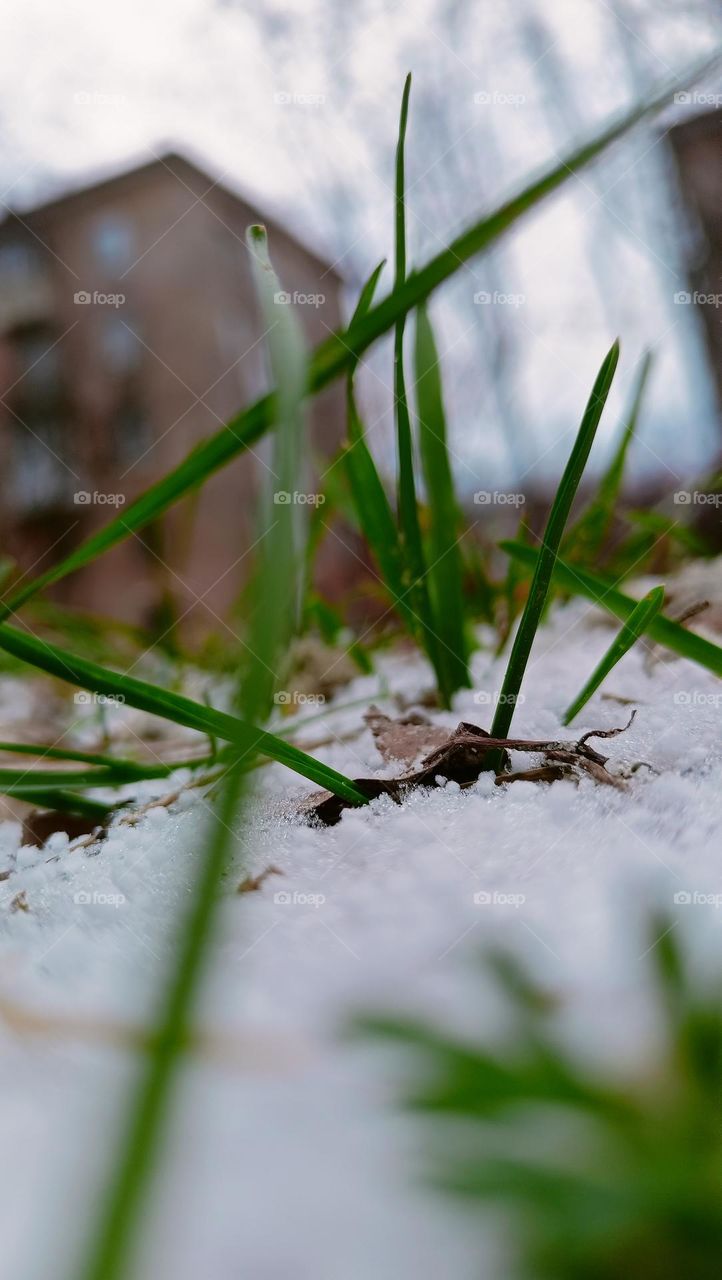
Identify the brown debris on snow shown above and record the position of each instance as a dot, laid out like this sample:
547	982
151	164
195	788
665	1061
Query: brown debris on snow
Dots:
464	755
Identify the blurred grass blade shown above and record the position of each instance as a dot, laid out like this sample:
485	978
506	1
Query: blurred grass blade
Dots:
277	604
586	537
631	630
581	582
524	638
336	355
246	738
446	585
274	589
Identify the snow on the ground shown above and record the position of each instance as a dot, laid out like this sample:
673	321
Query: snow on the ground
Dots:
286	1156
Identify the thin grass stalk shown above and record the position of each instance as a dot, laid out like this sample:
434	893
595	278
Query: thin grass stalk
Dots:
580	582
539	589
631	631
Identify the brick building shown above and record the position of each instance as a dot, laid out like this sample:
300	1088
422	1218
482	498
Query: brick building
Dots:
128	333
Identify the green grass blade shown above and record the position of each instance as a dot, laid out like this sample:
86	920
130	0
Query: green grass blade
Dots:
130	770
411	542
114	1240
278	547
366	297
559	514
592	587
246	738
276	582
373	509
375	515
585	538
62	801
446	585
630	632
336	355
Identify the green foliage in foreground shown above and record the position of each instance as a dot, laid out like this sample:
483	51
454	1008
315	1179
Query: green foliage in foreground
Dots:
601	1177
114	1238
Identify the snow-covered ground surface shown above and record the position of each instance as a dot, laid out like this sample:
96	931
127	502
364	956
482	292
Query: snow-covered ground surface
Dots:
286	1156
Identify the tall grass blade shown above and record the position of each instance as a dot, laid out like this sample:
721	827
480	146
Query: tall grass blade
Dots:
412	545
538	591
280	537
630	632
375	515
585	538
592	587
445	573
278	573
335	355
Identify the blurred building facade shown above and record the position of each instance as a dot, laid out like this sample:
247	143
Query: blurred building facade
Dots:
129	332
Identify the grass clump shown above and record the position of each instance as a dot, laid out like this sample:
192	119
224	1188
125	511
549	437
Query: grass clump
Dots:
600	1174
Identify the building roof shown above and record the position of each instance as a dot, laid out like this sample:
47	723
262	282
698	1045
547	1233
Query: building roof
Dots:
172	161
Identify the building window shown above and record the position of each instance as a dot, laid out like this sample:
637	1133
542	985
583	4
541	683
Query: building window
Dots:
122	349
36	351
113	242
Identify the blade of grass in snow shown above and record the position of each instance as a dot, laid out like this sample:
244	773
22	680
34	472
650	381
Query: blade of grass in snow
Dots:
334	356
664	631
585	538
277	572
445	564
411	543
568	485
630	632
57	799
246	738
123	770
